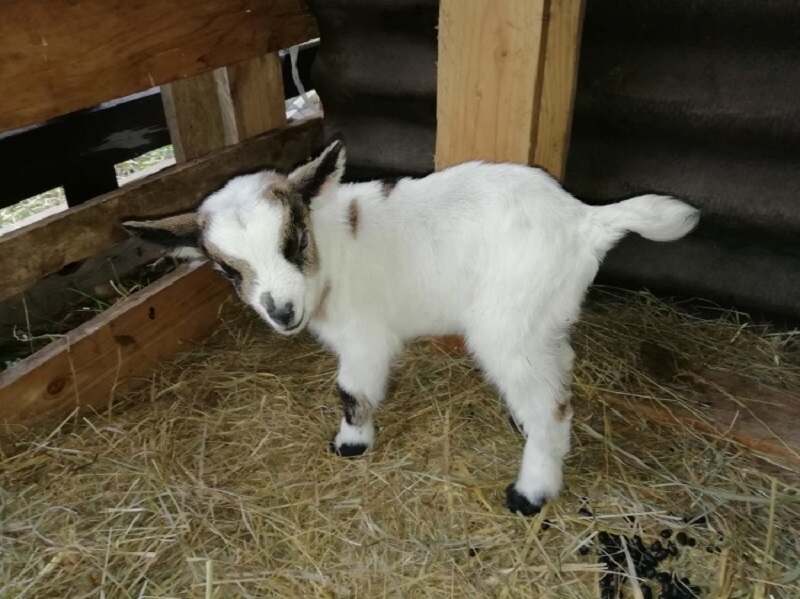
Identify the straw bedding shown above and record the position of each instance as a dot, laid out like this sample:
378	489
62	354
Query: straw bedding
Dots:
213	478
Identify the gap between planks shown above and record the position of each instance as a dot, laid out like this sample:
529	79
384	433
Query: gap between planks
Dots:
88	366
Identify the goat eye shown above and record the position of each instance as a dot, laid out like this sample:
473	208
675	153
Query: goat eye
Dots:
302	240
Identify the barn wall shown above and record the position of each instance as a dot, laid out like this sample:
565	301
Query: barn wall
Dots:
696	98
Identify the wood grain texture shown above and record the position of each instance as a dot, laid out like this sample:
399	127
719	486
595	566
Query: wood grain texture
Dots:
225	106
489	79
255	89
57	56
44	247
195	116
560	77
89	365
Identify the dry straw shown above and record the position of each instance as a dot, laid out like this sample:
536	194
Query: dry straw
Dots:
213	478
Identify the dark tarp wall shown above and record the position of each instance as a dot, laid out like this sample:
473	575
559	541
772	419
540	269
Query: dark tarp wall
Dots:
699	99
376	75
696	98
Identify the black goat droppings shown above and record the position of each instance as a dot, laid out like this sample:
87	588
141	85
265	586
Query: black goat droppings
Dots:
681	538
691	542
661	555
545	525
647	572
585	512
666	533
656	546
672	548
473	551
584	549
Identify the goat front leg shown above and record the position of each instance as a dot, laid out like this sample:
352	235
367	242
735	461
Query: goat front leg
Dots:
363	372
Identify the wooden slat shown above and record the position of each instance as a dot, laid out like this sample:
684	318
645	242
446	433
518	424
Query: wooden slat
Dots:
225	106
194	116
255	89
489	79
558	85
57	56
32	252
89	365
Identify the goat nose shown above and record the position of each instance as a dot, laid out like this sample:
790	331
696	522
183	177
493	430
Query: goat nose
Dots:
281	315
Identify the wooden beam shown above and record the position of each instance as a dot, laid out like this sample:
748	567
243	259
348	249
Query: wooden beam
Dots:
86	367
44	247
255	89
559	79
489	79
225	106
506	81
60	55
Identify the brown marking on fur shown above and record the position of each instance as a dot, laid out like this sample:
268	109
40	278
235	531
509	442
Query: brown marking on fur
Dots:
387	185
563	410
320	311
352	217
292	203
242	266
357	410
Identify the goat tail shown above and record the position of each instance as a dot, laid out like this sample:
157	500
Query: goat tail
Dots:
656	217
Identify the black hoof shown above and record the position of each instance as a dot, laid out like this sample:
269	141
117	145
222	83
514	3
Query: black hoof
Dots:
517	503
348	450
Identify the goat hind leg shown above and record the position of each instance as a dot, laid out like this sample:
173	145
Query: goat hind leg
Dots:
533	380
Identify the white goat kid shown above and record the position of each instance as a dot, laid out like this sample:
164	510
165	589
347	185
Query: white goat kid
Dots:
497	252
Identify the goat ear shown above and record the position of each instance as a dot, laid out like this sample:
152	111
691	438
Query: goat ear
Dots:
326	169
177	231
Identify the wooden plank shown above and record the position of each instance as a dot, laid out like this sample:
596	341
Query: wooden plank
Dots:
87	367
558	85
194	116
61	55
489	79
255	89
225	106
46	246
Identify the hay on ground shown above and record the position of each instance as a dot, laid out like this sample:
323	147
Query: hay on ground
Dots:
213	479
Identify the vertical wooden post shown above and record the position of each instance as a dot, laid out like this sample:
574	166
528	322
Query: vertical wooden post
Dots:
506	79
489	79
559	79
224	106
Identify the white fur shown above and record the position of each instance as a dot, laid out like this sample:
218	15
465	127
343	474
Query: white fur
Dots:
499	253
